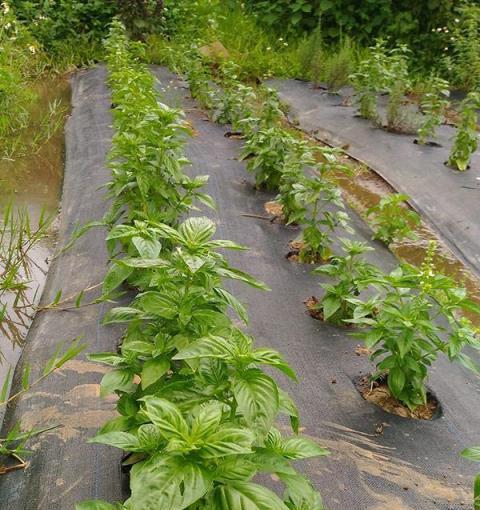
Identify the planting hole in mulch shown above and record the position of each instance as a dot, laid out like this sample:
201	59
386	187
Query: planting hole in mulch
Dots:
294	254
275	210
378	393
312	303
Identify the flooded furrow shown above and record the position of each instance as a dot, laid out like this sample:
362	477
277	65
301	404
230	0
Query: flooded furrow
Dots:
31	182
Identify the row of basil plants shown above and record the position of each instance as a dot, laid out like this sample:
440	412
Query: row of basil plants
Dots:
406	318
196	412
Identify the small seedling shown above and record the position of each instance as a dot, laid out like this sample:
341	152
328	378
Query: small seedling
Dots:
392	220
466	139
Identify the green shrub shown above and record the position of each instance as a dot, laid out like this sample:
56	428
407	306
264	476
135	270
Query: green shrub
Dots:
464	66
406	21
66	25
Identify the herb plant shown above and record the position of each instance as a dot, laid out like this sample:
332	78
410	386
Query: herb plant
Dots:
352	274
392	220
322	213
266	150
369	79
433	105
291	181
466	138
405	333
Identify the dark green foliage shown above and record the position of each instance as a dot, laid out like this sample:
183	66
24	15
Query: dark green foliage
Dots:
406	21
57	24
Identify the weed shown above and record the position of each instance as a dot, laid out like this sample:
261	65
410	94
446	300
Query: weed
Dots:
339	65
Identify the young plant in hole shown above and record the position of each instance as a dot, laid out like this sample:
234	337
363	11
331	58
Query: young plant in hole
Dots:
416	319
466	138
352	274
199	83
291	181
474	454
392	220
397	82
369	80
271	109
433	104
266	150
234	101
322	213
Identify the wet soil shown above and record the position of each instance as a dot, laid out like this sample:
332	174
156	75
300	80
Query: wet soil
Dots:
377	393
312	303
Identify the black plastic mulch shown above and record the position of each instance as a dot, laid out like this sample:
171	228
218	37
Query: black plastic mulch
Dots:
411	464
448	199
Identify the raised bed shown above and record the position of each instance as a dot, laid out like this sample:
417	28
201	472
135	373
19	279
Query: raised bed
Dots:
447	199
378	460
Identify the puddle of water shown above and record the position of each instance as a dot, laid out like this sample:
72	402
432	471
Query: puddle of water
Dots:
33	182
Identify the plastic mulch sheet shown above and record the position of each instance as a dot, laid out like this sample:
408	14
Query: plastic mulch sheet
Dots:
449	200
378	461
